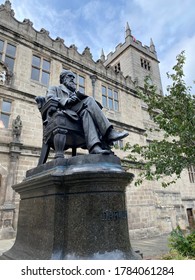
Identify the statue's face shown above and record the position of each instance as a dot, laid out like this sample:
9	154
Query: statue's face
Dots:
69	81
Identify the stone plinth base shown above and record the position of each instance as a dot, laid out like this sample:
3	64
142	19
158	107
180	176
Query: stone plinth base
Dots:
73	209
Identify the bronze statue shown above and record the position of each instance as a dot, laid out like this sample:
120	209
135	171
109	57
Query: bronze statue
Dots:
78	106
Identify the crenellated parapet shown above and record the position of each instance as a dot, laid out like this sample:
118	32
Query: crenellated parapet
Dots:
26	30
41	39
7	8
130	40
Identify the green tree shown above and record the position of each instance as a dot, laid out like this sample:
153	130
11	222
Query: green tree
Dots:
174	115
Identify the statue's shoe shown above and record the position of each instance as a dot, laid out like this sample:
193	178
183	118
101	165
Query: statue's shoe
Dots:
98	150
115	135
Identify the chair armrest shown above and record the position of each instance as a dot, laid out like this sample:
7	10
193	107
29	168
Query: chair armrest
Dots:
47	108
40	101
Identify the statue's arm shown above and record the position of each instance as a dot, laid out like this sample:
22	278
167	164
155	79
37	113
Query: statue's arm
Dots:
51	92
55	93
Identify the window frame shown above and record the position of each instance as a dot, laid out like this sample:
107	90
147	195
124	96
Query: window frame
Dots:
40	68
4	54
117	67
145	64
80	86
5	113
191	173
110	98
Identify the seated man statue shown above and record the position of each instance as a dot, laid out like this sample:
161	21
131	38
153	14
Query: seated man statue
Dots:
97	129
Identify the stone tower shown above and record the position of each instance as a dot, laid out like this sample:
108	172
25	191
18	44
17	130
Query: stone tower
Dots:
135	60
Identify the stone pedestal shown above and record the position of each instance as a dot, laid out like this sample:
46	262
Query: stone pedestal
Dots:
73	209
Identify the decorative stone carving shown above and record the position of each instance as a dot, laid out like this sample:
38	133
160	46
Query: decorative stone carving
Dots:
2	77
7	7
58	39
129	81
74	47
87	53
44	31
5	74
27	21
17	128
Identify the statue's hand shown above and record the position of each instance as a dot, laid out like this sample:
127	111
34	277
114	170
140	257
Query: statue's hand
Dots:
72	100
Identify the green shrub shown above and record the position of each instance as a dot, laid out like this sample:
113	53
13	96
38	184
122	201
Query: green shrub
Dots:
183	243
174	255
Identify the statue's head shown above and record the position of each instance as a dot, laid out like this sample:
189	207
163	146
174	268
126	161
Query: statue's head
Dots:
66	73
67	78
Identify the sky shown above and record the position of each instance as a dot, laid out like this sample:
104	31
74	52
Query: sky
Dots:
101	24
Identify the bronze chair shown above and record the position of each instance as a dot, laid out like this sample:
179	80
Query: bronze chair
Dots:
60	132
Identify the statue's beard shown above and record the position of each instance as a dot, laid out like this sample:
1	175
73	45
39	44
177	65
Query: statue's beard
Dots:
71	86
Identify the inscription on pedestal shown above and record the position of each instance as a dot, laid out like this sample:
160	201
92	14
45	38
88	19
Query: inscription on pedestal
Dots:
114	215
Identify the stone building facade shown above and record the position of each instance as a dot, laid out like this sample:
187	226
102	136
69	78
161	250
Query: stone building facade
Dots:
30	61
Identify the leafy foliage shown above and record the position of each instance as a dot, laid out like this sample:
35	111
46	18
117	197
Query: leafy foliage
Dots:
183	244
174	255
174	116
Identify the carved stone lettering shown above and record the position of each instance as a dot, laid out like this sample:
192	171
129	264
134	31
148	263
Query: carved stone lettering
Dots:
114	215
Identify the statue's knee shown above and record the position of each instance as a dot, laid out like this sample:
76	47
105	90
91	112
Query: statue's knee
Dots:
90	100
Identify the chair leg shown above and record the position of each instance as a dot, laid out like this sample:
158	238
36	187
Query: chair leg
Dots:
74	152
44	153
59	142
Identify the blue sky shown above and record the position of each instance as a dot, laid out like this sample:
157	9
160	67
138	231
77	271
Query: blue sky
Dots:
100	24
